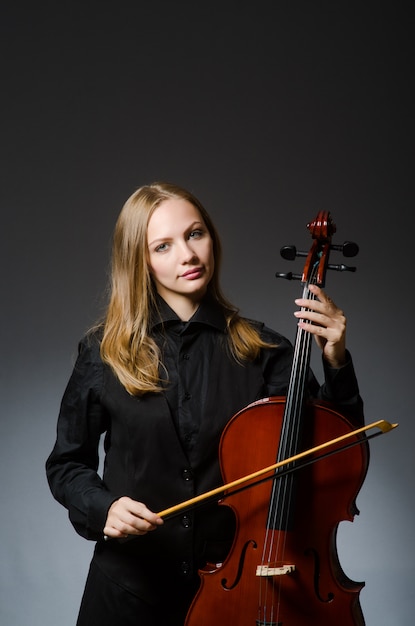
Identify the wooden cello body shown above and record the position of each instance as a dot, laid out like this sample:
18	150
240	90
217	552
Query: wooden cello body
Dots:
284	577
283	568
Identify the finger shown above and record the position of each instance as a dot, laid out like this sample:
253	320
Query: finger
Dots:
119	528
319	293
139	510
127	516
325	314
324	304
321	318
321	325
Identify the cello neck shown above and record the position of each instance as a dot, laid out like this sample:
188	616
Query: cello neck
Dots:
282	496
296	394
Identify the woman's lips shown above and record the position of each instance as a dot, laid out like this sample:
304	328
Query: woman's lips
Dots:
195	272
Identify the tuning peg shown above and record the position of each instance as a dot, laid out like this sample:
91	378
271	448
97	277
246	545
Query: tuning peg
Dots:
348	248
290	252
341	268
288	275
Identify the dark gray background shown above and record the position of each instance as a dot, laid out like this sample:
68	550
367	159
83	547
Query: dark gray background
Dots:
268	111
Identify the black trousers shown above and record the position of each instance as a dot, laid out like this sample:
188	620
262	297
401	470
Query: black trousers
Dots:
105	603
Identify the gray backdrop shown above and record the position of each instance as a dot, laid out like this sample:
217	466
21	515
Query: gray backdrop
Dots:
268	111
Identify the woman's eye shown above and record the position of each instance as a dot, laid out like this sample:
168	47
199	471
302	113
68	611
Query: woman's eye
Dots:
161	247
195	234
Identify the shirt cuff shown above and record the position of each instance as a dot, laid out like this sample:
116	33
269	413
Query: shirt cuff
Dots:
340	383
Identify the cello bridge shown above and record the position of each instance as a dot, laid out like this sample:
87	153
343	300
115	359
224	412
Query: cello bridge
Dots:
269	571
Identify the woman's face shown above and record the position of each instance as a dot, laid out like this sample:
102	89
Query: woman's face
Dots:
180	254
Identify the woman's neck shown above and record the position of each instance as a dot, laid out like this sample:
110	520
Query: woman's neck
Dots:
184	308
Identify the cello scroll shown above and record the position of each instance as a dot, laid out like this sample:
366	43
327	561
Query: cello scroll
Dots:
322	228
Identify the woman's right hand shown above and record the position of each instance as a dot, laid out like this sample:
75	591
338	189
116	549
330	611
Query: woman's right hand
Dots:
129	517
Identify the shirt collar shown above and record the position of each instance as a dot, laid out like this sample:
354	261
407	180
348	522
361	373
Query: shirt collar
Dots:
209	313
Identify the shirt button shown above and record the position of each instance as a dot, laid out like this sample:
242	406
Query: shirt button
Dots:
186	521
187	474
187	396
186	357
185	568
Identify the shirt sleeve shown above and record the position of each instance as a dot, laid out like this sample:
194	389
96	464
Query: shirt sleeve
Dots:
340	387
72	467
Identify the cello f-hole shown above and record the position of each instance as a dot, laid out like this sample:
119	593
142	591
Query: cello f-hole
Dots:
224	581
314	554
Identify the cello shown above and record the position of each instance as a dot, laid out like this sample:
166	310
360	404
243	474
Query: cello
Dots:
283	568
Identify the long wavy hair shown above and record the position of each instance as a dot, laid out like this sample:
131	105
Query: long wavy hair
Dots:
126	343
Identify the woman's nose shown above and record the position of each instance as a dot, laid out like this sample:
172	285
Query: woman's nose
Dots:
187	252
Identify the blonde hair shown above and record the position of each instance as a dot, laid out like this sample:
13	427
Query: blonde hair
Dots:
126	344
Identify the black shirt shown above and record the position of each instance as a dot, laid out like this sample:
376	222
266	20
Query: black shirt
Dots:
162	448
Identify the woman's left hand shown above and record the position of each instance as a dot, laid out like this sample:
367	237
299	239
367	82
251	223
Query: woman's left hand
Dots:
328	325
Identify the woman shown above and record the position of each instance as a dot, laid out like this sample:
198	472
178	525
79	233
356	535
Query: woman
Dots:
170	365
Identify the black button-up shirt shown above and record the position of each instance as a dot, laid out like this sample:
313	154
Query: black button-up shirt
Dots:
162	448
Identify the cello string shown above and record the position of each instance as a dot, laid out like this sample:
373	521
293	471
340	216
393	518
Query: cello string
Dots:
278	495
290	428
287	434
282	490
